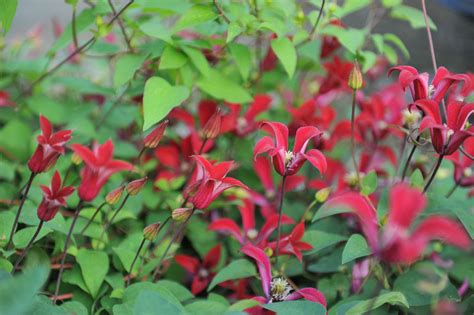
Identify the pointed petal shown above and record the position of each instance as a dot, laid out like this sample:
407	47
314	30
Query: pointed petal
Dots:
279	131
405	203
444	229
247	211
212	257
263	264
263	145
303	135
309	294
45	126
189	263
227	225
263	169
317	159
85	153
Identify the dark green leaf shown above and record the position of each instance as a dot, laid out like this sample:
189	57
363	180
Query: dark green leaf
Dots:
296	308
356	247
94	267
238	269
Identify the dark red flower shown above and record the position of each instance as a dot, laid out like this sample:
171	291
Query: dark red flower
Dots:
210	181
331	43
396	243
54	197
446	137
50	147
99	166
202	272
463	173
244	124
292	244
286	162
5	100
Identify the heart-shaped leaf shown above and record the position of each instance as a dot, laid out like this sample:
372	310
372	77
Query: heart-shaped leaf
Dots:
94	267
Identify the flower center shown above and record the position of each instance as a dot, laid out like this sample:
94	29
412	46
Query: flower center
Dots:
467	172
280	289
252	234
203	273
241	123
431	89
289	157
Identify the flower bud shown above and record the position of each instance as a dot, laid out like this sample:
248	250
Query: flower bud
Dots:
355	77
213	126
76	159
151	231
323	194
134	187
152	140
268	251
181	214
113	197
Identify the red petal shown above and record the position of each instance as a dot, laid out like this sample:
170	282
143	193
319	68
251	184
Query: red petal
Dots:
263	264
227	225
189	263
106	152
263	145
85	153
279	131
45	126
444	229
263	169
247	211
212	257
318	160
303	135
309	294
56	182
405	203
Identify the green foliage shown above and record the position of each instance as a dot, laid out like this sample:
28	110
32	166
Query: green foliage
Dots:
296	307
356	247
238	269
286	53
7	13
94	267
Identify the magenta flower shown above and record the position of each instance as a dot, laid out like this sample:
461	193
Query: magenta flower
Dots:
53	198
287	162
99	166
396	243
50	147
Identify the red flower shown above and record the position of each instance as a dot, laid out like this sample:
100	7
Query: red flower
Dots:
292	244
419	86
463	174
210	181
249	233
202	272
50	147
446	137
99	166
331	43
5	99
245	124
286	162
396	243
53	198
277	289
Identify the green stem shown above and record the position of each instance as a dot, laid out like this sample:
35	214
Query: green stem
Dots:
92	218
116	212
27	248
433	174
134	260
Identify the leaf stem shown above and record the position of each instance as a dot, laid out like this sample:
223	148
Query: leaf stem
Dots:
27	248
133	262
116	212
451	191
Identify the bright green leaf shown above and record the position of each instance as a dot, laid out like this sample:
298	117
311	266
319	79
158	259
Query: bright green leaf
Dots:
286	53
320	240
155	28
302	307
233	31
125	68
159	99
392	298
7	13
356	247
243	59
197	14
238	269
172	59
391	3
413	15
397	42
94	267
369	183
242	305
198	59
223	88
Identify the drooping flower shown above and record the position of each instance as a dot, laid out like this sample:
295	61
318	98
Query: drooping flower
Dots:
420	87
446	137
396	243
99	166
249	233
202	272
277	289
50	147
463	173
54	197
286	162
210	181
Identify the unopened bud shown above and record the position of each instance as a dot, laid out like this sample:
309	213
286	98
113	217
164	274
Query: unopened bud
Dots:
213	126
152	140
181	214
113	197
268	251
323	194
355	77
76	159
151	231
134	187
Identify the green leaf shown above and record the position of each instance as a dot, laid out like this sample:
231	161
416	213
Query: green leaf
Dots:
296	308
197	14
155	28
172	59
238	269
17	294
397	42
222	88
148	302
327	211
15	138
23	236
416	179
378	42
242	305
391	3
243	59
206	307
94	267
286	53
392	298
233	31
369	183
356	247
198	59
351	38
7	13
125	68
350	6
159	98
466	216
412	15
320	240
178	290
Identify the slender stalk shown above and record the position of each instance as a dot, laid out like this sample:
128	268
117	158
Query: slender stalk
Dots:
221	12
315	26
134	260
280	213
27	248
400	157
122	27
20	207
66	244
92	218
109	223
356	168
410	156
173	239
433	174
451	191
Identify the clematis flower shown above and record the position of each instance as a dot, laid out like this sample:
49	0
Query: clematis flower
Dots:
244	124
50	147
99	166
292	244
278	289
331	43
396	243
286	162
202	272
446	137
463	173
5	100
420	88
210	181
249	232
53	198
